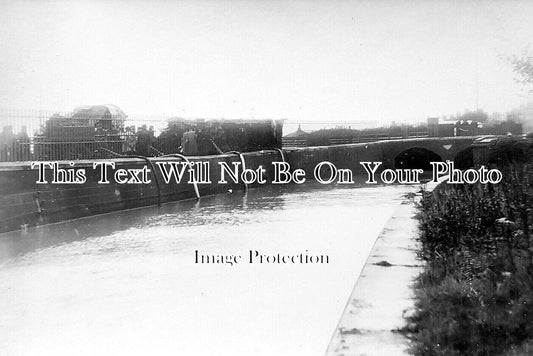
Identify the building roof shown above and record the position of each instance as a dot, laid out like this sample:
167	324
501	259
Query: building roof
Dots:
297	133
98	111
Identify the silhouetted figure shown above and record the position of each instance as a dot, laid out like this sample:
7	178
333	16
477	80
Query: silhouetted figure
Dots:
7	139
22	145
189	144
129	140
145	138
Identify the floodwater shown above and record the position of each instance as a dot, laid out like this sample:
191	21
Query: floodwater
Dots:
127	283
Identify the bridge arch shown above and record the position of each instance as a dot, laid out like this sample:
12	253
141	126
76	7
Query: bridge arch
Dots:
464	159
439	149
416	158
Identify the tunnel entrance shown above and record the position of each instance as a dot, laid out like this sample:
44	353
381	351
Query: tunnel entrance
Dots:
416	158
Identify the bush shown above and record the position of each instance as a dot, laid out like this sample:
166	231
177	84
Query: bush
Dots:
475	296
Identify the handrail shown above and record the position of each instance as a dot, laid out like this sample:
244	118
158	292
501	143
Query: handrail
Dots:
194	183
140	157
183	157
242	162
159	153
216	146
281	153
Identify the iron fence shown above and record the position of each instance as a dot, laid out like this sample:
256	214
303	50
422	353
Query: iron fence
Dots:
340	136
103	131
31	135
94	132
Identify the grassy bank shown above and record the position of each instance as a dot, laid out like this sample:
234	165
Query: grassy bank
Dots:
475	296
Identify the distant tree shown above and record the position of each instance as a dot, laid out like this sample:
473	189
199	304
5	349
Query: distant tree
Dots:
477	116
523	66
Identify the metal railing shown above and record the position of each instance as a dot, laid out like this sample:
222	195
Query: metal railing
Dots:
91	133
360	138
27	135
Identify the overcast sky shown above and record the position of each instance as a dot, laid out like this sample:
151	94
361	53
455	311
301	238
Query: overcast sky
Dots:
303	60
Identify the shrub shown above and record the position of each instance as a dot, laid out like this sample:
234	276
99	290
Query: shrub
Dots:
475	296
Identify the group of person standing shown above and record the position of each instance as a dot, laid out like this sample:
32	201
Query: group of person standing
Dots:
14	147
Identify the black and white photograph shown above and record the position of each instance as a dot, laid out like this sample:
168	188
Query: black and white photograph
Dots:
266	177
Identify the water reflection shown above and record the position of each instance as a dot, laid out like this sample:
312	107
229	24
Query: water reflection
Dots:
216	209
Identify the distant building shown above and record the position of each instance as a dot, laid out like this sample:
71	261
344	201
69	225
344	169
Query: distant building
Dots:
85	121
106	116
299	133
464	127
438	128
296	139
80	134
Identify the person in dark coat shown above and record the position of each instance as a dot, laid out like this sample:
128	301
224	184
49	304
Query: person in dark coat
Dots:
189	143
